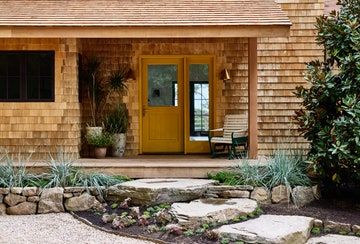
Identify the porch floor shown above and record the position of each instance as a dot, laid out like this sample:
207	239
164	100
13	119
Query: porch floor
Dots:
155	166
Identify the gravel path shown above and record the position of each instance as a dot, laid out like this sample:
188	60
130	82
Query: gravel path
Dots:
54	228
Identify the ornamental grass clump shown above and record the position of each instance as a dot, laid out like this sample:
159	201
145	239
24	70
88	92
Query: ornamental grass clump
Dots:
330	117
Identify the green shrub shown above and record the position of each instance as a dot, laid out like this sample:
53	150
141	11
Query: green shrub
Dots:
104	139
117	121
330	118
227	177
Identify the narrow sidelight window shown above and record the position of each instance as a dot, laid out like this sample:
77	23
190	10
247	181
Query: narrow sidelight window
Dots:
27	76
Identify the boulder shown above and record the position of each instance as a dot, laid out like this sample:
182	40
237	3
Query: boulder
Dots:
1	198
16	190
33	199
51	201
302	195
316	192
356	229
269	229
30	191
13	199
2	209
261	195
82	203
155	191
334	239
318	223
280	194
195	213
23	208
4	191
337	226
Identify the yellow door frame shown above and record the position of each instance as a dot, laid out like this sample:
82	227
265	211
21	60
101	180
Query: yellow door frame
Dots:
189	147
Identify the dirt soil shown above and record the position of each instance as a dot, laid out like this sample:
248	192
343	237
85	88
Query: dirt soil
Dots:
339	211
326	209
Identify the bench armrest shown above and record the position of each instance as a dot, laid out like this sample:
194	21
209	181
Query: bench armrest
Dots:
239	133
218	129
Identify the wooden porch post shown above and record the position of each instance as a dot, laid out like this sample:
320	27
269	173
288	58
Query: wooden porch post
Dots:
252	98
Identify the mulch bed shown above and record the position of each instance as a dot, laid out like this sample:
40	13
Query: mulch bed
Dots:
326	209
338	211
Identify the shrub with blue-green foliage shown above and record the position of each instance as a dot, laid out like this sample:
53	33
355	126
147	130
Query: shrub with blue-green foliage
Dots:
330	118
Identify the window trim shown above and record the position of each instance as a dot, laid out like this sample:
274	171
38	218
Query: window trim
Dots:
24	78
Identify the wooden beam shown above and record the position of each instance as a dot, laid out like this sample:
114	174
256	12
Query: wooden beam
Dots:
252	103
144	31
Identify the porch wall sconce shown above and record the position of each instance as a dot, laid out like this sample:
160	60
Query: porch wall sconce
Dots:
130	75
225	75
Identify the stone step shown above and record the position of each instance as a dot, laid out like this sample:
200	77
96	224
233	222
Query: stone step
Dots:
334	239
269	229
155	191
214	210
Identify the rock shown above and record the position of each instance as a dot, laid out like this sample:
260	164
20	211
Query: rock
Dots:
280	194
82	203
29	191
108	218
195	213
68	195
155	191
316	192
163	217
143	221
269	229
33	199
235	194
16	190
135	212
51	201
2	209
261	194
13	199
125	204
174	229
1	198
116	223
152	228
4	191
24	208
74	189
302	195
221	188
337	227
334	239
318	223
356	229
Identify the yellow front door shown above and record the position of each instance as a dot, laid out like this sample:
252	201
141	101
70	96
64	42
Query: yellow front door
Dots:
162	105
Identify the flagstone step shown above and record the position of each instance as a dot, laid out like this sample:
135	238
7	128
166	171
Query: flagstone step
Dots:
214	210
269	229
334	239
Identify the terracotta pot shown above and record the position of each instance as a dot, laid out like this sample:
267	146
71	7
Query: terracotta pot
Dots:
118	148
100	152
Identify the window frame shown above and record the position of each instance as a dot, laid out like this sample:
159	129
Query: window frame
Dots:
23	76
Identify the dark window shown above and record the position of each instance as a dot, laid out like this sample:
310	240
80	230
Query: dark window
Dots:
199	108
27	76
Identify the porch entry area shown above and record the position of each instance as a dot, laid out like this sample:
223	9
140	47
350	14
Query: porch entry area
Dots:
177	104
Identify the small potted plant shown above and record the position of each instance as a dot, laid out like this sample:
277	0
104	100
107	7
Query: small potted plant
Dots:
116	123
100	142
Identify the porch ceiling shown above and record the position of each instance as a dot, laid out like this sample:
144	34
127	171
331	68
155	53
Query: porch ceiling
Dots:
142	18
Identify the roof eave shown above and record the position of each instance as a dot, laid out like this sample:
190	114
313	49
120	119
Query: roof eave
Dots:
209	31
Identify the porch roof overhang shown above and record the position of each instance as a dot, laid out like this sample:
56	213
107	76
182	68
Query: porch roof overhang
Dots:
142	19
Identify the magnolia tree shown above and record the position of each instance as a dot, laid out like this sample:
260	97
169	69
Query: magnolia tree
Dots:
330	117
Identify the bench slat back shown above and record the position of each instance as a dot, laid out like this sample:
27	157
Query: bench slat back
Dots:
234	122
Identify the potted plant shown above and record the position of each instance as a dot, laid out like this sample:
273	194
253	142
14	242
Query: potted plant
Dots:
100	141
96	92
117	123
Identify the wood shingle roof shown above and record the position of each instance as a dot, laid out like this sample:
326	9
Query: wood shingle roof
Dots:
141	13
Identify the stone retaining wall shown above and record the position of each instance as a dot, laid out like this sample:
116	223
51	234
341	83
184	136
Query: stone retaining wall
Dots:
33	200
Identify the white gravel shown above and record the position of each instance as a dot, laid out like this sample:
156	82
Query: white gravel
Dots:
54	228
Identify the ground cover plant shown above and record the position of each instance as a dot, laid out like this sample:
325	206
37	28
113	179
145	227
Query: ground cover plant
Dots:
61	173
330	117
284	167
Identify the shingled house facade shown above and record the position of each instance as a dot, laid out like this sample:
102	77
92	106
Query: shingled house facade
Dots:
265	49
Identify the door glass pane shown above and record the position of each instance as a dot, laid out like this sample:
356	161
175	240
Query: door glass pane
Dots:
199	101
162	85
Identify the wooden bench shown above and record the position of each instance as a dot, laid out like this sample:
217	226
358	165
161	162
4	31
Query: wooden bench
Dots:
234	135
